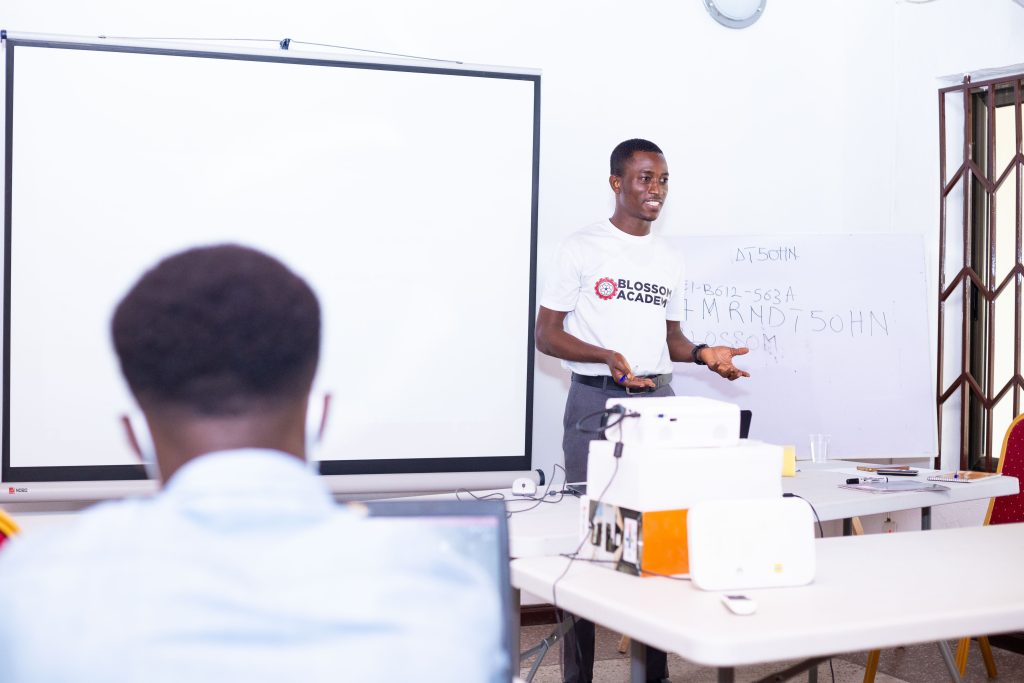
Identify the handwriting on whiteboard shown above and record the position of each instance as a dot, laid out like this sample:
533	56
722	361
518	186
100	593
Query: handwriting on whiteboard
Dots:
816	312
763	318
760	254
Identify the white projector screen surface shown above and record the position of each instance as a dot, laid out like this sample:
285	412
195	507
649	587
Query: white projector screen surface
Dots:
404	195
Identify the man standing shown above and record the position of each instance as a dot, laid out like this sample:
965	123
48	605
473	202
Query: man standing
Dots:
242	568
611	310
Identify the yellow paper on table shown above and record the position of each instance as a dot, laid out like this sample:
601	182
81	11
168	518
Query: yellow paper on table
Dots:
789	461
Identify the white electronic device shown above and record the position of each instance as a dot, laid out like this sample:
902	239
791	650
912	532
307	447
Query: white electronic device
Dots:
739	604
647	477
524	487
751	543
674	422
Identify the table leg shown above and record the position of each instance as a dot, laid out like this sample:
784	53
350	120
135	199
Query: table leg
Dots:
726	674
637	661
926	518
540	650
947	656
790	673
847	526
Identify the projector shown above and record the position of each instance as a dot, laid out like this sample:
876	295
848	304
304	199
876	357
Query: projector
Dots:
675	422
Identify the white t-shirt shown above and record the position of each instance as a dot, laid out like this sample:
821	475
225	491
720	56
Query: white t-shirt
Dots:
618	290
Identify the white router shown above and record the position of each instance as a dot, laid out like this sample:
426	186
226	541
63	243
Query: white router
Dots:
750	543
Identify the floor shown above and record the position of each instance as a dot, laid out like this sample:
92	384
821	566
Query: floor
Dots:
914	664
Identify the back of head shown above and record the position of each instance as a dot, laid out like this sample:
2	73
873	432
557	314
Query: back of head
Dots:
626	149
218	331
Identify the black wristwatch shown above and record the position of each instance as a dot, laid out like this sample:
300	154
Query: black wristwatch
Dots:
696	354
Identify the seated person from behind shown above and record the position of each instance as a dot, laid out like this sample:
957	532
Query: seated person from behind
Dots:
242	568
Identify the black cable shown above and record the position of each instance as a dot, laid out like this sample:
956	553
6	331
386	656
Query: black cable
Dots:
591	560
497	495
665	576
575	553
590	528
821	534
642	571
548	496
555	496
283	44
573	556
607	412
579	423
378	52
207	40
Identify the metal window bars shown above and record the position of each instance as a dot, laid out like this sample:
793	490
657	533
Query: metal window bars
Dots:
984	191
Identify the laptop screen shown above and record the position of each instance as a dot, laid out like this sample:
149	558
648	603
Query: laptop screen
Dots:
478	530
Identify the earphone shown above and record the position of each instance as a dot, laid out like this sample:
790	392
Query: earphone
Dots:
316	424
138	432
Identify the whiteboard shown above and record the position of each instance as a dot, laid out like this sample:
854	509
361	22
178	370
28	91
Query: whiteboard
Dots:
837	328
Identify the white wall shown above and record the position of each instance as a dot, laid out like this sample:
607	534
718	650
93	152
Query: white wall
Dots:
822	117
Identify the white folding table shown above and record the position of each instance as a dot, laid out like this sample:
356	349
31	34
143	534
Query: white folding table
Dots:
819	484
870	592
553	528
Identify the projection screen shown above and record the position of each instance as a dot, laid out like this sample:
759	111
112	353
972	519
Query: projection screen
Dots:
405	192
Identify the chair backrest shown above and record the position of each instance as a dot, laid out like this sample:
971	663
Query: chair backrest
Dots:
745	417
1010	509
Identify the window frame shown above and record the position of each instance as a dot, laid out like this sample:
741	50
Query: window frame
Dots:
976	279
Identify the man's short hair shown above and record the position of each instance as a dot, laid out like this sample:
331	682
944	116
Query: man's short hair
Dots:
624	150
218	330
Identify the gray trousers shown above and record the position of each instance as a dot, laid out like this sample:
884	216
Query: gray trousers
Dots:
578	643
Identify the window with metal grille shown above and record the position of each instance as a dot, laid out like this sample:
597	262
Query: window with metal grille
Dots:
981	162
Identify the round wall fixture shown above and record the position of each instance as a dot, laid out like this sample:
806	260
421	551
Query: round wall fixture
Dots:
735	13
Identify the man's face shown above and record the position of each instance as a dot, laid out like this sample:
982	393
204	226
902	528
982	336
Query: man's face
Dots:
643	186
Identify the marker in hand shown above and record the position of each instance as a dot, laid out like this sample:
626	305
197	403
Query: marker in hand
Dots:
624	375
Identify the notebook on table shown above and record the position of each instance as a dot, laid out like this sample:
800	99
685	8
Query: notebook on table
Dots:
894	486
962	476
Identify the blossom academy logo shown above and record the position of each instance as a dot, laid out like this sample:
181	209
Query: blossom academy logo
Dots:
606	288
634	291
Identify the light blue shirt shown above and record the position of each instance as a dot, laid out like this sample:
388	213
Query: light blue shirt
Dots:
244	569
